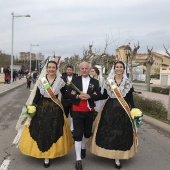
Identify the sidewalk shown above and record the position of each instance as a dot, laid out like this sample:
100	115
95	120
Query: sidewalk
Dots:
164	99
156	96
160	97
5	88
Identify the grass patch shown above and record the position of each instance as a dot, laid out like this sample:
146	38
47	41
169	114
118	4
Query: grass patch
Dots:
138	81
152	108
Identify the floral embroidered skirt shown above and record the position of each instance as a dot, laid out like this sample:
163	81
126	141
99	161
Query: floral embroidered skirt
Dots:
48	135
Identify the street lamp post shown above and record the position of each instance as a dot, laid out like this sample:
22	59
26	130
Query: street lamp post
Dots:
30	54
12	47
35	62
128	51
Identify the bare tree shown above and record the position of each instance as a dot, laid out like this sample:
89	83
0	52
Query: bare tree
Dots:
104	59
148	63
166	50
87	54
133	62
132	57
107	43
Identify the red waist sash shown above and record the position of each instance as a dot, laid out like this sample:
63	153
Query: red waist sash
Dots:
82	107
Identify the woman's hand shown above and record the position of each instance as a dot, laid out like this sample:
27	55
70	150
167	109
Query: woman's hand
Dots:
73	92
94	93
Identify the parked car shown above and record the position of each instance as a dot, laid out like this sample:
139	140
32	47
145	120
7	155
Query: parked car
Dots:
152	79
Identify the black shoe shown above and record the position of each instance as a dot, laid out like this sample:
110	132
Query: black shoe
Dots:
47	165
78	165
117	166
83	153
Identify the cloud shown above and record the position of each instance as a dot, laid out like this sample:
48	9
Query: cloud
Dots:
68	26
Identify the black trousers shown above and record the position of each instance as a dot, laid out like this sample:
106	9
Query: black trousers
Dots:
82	123
28	84
67	109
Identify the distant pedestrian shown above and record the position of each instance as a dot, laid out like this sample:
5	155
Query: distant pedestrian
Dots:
34	77
7	73
15	74
29	80
19	74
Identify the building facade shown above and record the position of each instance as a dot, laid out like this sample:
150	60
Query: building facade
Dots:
25	56
160	60
165	76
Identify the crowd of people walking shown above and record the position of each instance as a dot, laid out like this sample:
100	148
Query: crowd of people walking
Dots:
16	75
99	110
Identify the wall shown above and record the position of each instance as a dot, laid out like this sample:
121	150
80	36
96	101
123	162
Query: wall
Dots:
165	71
1	77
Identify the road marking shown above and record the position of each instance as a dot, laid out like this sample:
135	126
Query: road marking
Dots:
5	164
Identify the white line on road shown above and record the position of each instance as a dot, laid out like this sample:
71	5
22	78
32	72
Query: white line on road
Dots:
5	164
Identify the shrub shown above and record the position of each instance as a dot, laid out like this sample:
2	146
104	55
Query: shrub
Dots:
157	76
138	81
153	108
160	90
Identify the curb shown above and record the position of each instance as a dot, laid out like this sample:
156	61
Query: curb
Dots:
163	126
3	93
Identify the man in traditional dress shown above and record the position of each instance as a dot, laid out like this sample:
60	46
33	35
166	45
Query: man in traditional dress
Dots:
83	109
66	102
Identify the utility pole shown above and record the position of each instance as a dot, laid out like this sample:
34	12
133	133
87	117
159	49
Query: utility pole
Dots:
168	116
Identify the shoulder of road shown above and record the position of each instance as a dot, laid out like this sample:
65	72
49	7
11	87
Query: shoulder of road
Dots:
5	88
154	96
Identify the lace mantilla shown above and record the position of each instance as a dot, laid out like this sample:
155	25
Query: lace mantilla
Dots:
101	81
57	85
124	87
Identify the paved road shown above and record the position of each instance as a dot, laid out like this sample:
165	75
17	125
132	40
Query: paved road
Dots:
140	87
151	95
153	151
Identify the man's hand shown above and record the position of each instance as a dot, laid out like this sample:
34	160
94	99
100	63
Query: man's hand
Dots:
84	96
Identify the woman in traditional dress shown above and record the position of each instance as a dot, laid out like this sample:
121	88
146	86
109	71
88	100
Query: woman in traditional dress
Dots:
113	133
95	73
48	135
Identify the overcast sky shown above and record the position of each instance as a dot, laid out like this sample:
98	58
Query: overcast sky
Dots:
68	26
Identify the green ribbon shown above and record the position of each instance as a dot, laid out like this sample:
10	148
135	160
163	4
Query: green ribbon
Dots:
46	86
